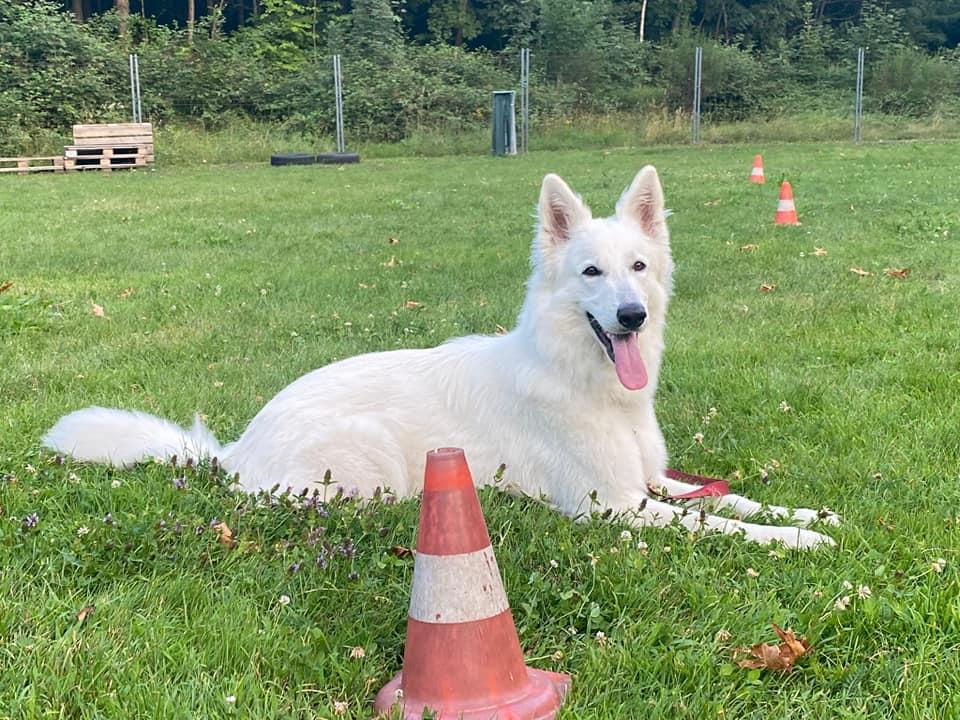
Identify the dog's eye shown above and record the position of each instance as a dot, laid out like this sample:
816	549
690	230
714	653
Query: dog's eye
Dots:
592	271
639	265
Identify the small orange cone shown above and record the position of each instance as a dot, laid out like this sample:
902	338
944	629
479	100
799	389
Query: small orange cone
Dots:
786	212
463	656
756	175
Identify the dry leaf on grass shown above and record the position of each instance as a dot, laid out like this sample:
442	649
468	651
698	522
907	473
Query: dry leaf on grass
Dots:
97	310
393	240
749	248
6	285
85	612
125	293
897	273
224	534
860	272
778	658
819	252
411	305
768	287
401	552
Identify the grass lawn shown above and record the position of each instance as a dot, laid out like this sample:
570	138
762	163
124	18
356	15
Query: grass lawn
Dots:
209	289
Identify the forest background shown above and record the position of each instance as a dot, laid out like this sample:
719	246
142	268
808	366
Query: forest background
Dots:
420	67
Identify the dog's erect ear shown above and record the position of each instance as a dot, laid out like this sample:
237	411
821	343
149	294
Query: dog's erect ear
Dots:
643	202
560	210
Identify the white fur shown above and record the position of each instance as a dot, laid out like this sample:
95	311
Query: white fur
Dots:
543	399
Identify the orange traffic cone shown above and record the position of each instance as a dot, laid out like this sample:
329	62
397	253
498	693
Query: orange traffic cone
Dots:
463	656
786	212
756	175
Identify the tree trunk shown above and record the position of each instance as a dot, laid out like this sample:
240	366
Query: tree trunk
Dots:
78	10
458	31
191	19
123	12
643	19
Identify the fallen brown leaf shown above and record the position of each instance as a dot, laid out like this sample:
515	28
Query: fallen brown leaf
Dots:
860	271
711	203
393	240
777	658
749	248
392	262
125	293
768	287
401	552
97	310
411	305
897	273
819	252
85	612
6	285
224	534
500	329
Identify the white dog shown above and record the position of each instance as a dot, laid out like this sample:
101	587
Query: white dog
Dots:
565	400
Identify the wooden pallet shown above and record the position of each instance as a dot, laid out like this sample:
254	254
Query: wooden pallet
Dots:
106	157
25	165
110	146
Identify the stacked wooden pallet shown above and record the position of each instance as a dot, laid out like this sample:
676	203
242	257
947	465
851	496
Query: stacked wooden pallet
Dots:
110	146
106	146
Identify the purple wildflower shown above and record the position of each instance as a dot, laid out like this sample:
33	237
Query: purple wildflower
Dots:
30	521
108	519
295	568
199	530
322	561
180	483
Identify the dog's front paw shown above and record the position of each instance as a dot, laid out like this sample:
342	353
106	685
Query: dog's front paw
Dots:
794	538
806	516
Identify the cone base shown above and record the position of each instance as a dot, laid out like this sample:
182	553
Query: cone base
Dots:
539	699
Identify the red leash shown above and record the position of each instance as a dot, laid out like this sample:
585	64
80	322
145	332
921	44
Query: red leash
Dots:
709	487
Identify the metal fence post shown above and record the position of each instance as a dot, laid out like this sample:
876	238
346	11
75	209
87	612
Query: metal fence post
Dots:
697	77
524	97
858	99
338	97
136	109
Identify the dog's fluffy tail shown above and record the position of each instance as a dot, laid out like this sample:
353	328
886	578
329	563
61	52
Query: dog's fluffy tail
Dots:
123	438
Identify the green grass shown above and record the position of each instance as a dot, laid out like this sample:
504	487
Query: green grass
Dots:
222	284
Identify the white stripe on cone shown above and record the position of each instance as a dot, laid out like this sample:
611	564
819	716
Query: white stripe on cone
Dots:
785	206
457	588
757	171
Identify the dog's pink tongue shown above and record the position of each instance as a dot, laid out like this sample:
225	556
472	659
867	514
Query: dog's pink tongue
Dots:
626	356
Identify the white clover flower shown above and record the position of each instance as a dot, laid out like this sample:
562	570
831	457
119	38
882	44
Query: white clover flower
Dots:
863	592
842	603
284	600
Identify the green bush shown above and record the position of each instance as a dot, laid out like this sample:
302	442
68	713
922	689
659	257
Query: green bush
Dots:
908	82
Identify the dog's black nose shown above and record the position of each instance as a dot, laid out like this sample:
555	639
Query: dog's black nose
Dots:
631	316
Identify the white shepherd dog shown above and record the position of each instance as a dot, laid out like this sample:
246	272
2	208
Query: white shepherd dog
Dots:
565	400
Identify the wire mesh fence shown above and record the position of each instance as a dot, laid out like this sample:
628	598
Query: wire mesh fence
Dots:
699	93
